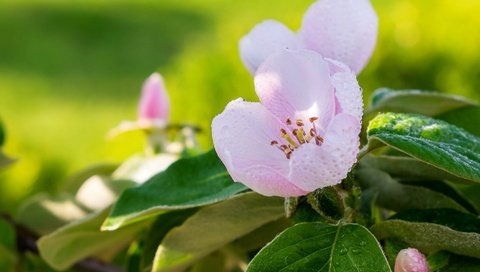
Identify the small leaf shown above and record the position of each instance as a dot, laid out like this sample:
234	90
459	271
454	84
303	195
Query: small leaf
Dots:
213	227
435	142
429	237
322	247
185	184
416	101
395	196
75	182
83	238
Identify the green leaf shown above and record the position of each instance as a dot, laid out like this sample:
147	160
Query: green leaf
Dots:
2	134
461	263
4	160
416	101
185	184
213	227
429	237
395	196
450	218
44	214
8	256
83	238
408	168
392	248
322	247
435	142
142	168
467	118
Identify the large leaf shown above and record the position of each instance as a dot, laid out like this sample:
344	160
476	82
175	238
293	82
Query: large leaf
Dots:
322	247
429	237
213	227
435	142
185	184
416	101
83	238
395	196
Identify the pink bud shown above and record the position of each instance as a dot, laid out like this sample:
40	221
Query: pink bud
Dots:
154	103
411	260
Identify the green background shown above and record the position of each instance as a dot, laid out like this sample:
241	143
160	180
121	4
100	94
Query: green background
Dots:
71	70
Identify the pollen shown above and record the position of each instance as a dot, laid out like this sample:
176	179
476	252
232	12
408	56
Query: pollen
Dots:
293	137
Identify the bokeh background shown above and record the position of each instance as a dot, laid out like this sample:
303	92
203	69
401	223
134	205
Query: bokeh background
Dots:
71	70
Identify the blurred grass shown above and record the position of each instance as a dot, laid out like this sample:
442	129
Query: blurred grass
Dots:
71	70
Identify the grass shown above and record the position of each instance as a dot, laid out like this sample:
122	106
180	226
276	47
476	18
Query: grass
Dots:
70	71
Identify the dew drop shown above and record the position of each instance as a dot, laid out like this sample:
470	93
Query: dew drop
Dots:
356	251
343	251
363	243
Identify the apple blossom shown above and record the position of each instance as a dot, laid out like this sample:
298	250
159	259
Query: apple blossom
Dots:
304	133
343	30
411	260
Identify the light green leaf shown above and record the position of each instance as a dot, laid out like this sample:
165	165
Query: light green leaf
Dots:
44	214
213	227
435	142
429	237
142	168
99	192
187	183
395	196
416	101
83	238
322	247
4	160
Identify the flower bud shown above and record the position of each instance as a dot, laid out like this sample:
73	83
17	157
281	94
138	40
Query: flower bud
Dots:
411	260
154	103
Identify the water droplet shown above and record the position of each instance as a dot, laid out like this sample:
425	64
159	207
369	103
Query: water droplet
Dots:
356	251
343	251
363	243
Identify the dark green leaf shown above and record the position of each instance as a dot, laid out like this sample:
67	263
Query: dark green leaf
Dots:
451	218
2	134
187	183
8	256
82	239
416	101
429	237
462	264
395	196
392	248
213	227
321	247
435	142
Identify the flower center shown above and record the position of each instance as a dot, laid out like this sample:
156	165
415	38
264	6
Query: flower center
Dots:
296	136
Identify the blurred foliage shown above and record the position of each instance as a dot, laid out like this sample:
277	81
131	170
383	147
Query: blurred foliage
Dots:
70	70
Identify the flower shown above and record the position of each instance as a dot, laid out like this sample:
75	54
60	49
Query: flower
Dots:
304	133
154	103
411	260
343	30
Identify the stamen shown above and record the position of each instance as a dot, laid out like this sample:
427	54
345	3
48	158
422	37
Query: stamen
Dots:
288	138
299	135
274	143
289	122
300	122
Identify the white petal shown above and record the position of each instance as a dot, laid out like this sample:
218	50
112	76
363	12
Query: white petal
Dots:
242	137
313	167
345	30
263	40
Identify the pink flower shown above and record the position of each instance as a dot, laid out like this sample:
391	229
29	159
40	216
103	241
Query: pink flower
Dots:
154	103
411	260
304	133
343	30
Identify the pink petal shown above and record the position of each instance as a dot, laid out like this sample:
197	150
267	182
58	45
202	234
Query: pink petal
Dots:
296	85
154	102
411	260
263	40
313	167
345	30
347	91
242	137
